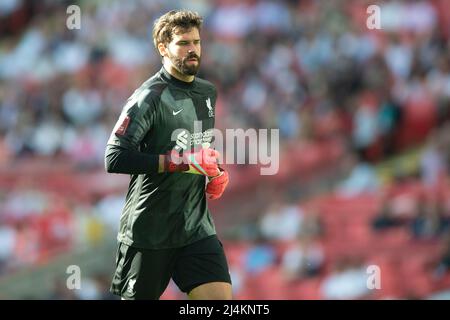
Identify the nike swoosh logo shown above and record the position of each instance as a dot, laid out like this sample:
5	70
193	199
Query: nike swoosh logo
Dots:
176	112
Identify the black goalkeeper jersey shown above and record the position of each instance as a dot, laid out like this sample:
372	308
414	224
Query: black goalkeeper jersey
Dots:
162	210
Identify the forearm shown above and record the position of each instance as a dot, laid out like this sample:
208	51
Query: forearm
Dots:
121	160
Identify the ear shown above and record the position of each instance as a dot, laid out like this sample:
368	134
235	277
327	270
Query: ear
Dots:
162	49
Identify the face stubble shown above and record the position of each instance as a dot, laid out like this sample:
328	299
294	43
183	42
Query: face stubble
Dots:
182	64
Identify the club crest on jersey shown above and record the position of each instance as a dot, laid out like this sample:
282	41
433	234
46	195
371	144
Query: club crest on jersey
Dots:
210	109
130	288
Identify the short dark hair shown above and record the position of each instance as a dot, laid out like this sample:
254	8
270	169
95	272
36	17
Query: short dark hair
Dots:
174	22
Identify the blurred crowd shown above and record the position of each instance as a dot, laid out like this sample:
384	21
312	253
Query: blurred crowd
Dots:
312	69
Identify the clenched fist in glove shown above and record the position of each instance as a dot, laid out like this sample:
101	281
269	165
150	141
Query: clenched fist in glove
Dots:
216	185
202	162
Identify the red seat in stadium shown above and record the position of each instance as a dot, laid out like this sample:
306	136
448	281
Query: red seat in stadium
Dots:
307	289
269	284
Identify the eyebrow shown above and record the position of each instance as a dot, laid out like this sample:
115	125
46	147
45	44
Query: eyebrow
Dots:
195	40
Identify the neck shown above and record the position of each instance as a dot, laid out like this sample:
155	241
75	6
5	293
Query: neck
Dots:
175	73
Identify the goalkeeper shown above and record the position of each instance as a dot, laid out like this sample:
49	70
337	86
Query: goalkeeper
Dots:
166	230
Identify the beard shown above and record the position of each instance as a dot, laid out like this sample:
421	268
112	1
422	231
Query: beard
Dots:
183	67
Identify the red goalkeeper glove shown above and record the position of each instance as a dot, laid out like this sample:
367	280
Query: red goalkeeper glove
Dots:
202	162
216	185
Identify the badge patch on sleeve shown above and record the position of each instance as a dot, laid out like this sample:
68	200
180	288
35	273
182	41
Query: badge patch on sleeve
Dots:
123	126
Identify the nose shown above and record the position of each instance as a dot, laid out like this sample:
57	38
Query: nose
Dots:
191	48
191	53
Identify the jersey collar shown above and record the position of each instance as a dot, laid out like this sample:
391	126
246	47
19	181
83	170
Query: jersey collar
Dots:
177	82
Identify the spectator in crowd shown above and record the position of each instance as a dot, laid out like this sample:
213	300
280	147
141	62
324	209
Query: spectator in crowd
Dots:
433	163
431	221
442	266
282	222
385	218
302	259
362	178
312	224
347	281
60	291
7	241
260	256
389	123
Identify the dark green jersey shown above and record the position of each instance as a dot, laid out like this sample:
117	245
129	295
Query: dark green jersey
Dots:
163	210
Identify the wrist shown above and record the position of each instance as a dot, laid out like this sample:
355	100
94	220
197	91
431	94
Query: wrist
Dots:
167	163
220	172
161	165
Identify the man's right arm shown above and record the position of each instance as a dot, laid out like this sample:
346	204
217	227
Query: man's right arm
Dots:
122	153
121	160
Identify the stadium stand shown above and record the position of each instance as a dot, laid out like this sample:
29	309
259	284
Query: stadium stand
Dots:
346	99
